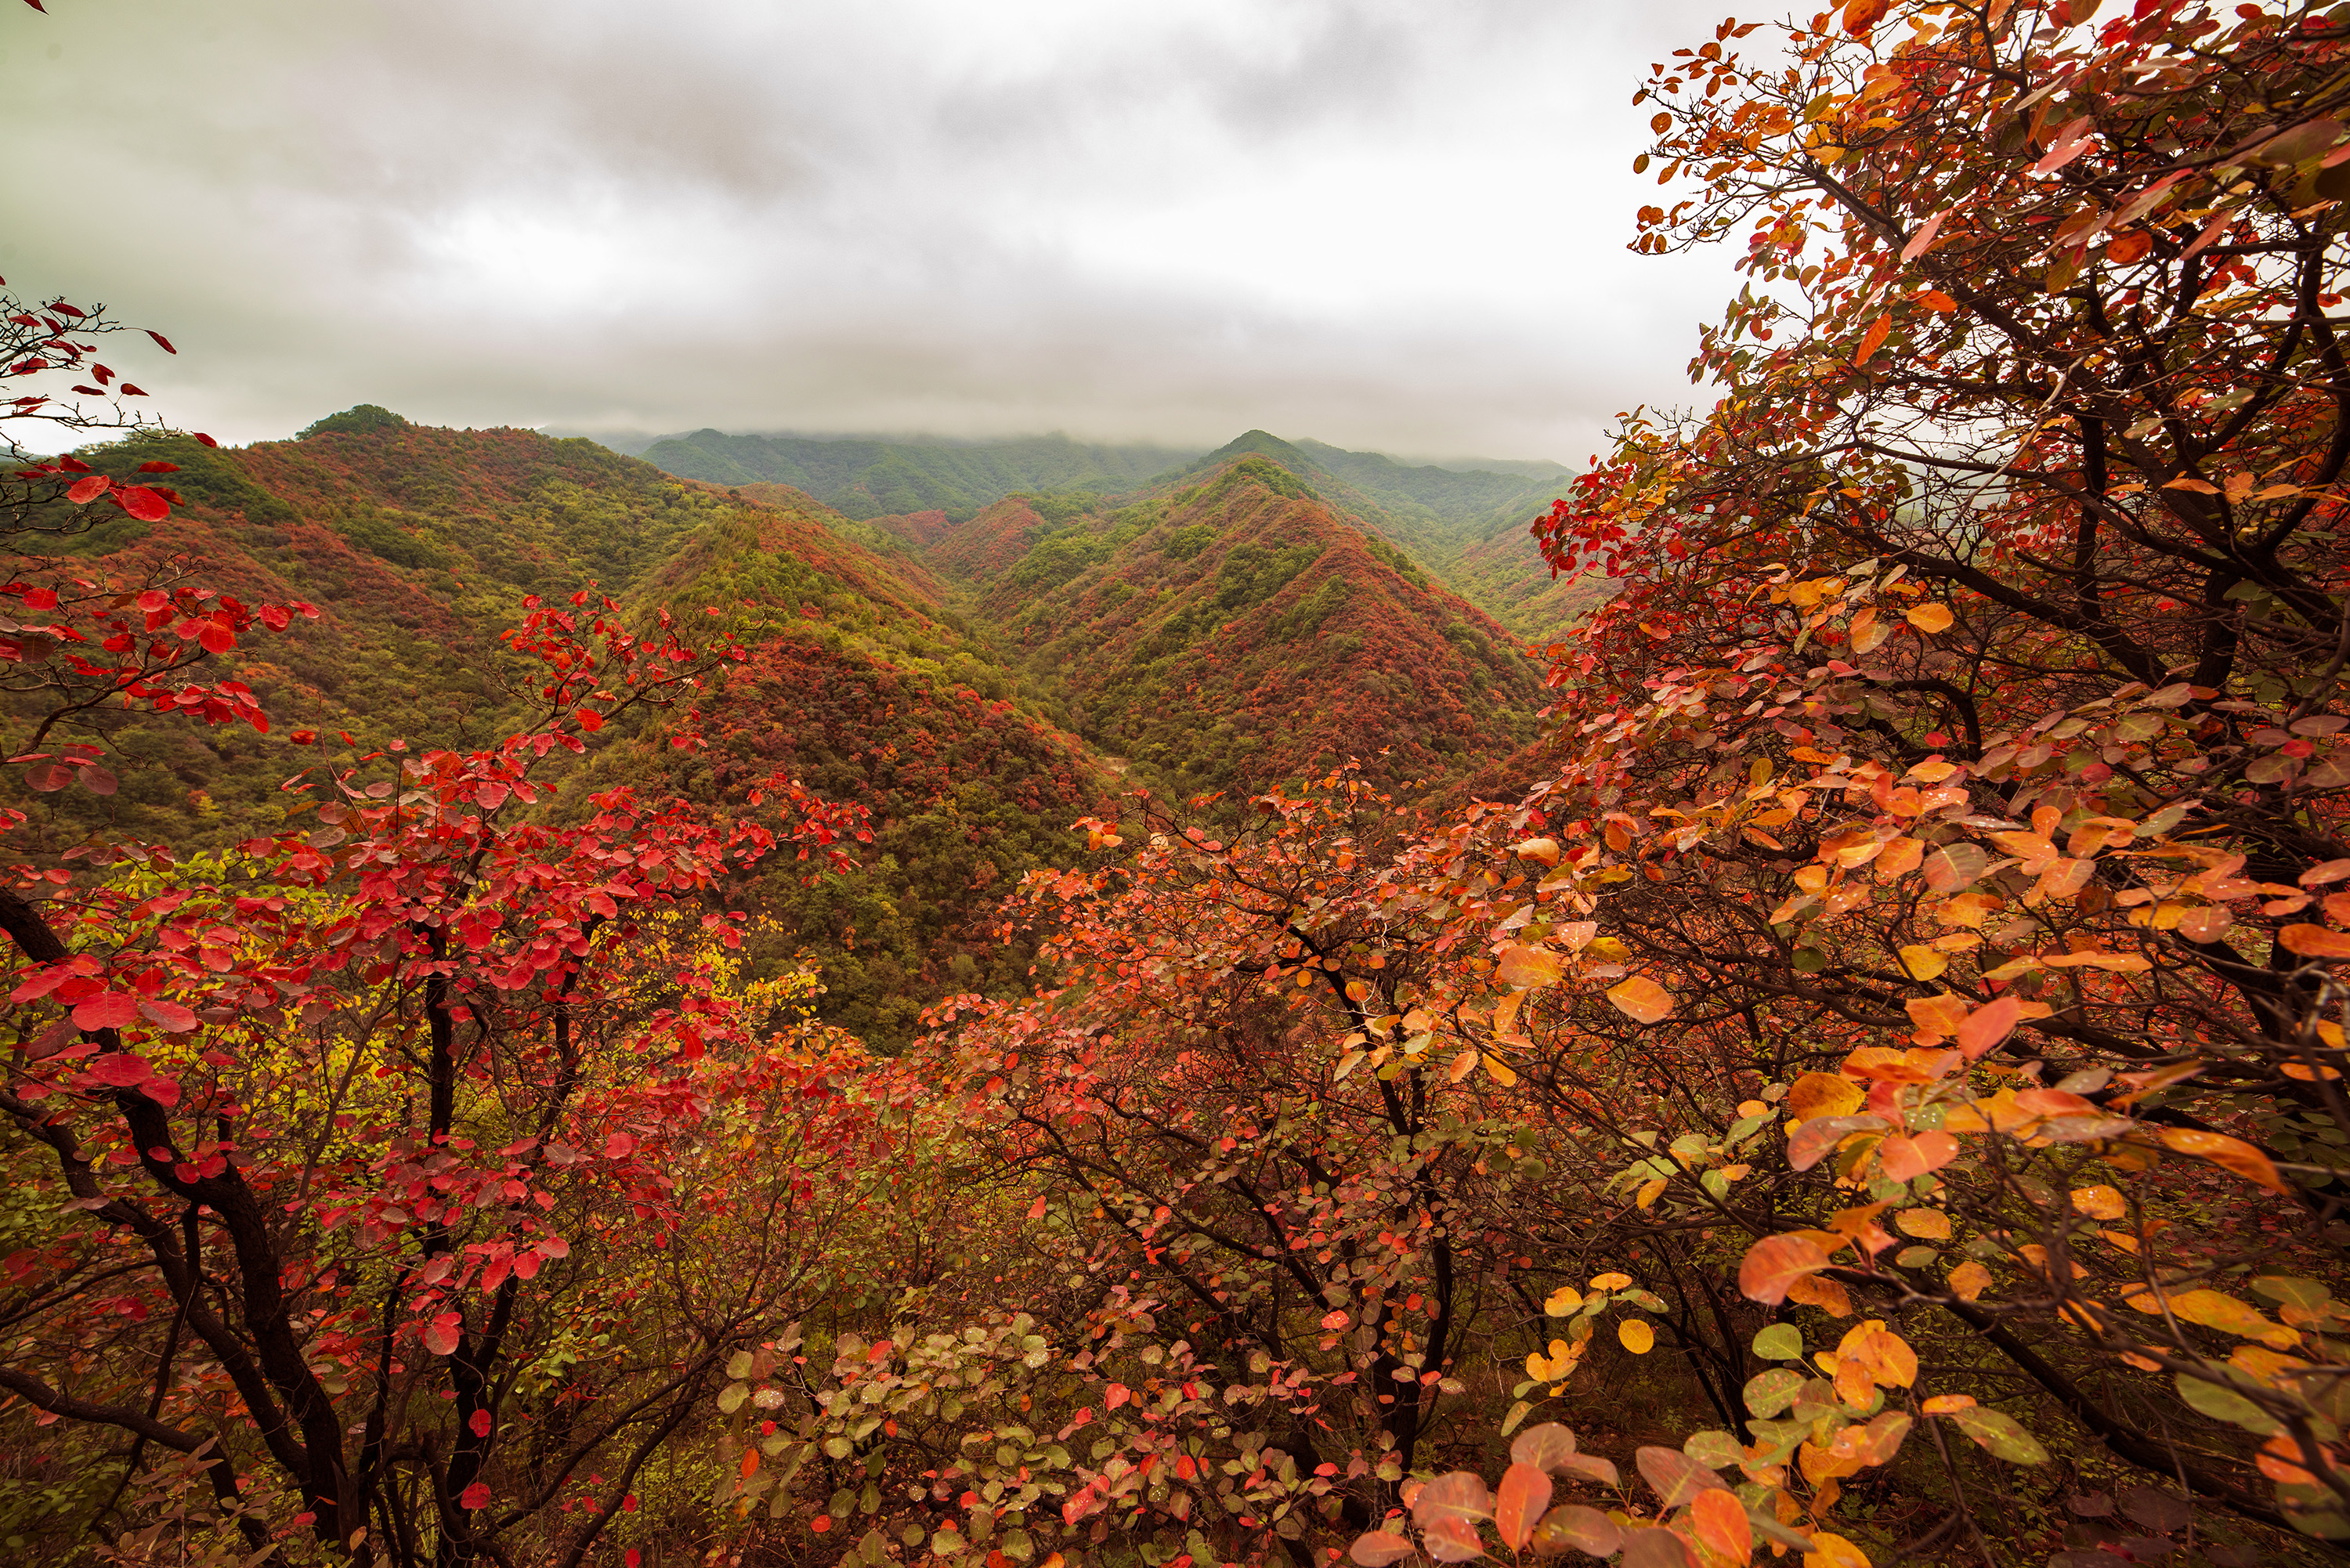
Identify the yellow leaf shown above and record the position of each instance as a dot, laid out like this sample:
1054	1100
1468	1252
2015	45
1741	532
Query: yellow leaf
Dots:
1563	1301
1501	1071
1930	617
1943	1404
1641	999
1636	1336
1461	1065
2229	1316
1969	1280
1830	1550
2100	1202
1542	849
1649	1192
1821	1095
1926	1224
1922	961
1610	1281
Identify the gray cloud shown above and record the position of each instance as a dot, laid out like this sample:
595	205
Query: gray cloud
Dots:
1376	223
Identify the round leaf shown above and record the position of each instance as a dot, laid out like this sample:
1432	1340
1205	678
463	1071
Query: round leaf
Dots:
1641	999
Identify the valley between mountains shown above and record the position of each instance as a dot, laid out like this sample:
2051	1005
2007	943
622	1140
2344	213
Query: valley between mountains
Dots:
1046	629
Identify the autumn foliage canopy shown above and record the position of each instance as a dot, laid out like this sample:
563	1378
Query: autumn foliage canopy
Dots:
1877	1095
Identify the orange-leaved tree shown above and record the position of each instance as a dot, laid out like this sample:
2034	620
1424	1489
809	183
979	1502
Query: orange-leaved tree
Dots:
1957	780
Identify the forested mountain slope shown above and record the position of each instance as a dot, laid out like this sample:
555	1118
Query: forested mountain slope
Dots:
873	478
1238	632
1470	526
418	546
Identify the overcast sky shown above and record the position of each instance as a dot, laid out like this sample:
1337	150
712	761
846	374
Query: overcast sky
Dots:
1385	225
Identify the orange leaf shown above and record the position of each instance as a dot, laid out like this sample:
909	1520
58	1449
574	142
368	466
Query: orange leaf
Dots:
2315	941
1930	617
1860	16
1528	967
1721	1524
1822	1095
1641	999
2227	1153
1989	1025
1872	341
1907	1159
1519	1504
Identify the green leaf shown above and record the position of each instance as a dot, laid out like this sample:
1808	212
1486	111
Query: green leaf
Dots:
1715	1450
1518	1413
2286	1291
739	1367
1772	1391
731	1398
2001	1435
2223	1403
1780	1342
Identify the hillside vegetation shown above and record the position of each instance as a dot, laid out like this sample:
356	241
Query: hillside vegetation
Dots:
1471	524
870	478
1236	632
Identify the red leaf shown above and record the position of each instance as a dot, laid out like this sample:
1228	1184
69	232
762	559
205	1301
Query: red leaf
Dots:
216	638
475	1495
87	490
1460	1495
441	1334
1378	1548
107	1010
618	1146
143	503
159	468
1676	1477
1518	1506
98	780
204	439
119	1068
168	1016
1545	1447
48	776
480	1423
1775	1262
162	342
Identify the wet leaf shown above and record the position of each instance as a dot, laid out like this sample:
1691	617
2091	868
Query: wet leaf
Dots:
1519	1504
1579	1529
